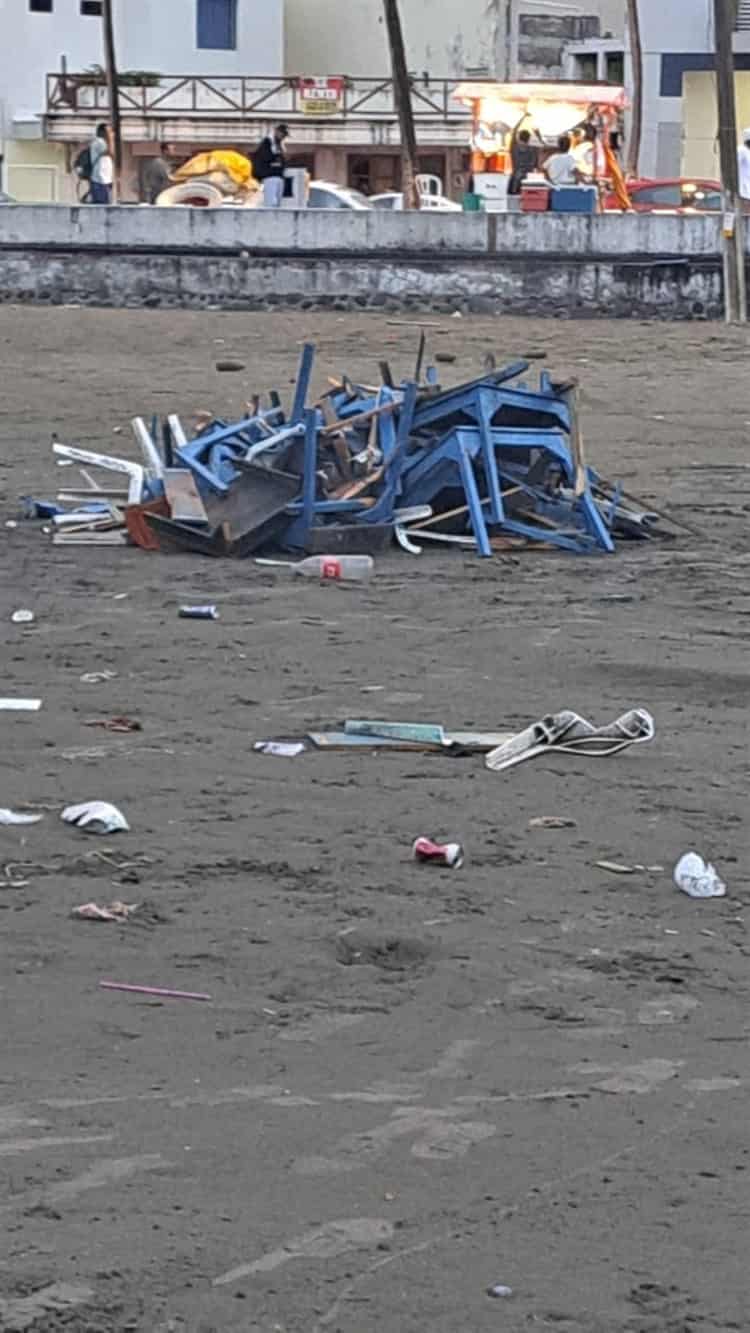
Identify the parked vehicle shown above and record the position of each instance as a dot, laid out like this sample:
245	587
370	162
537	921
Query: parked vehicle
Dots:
678	195
325	194
426	201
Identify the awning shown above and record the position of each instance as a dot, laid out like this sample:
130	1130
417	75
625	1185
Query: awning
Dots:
553	108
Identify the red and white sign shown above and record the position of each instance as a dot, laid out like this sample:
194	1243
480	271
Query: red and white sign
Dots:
321	97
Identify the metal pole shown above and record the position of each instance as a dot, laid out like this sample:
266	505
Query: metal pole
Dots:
402	98
110	65
733	230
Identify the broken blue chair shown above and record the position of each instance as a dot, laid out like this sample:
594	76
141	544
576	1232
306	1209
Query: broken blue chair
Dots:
393	440
453	462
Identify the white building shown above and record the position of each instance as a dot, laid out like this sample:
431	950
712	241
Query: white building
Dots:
677	37
170	37
222	71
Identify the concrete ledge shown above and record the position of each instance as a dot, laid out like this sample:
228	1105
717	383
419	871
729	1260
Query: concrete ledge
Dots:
639	265
341	230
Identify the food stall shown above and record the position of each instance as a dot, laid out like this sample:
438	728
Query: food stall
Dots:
501	111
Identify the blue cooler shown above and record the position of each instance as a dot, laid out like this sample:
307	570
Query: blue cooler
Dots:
574	199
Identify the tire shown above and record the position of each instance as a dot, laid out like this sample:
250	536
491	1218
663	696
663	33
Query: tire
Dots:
191	194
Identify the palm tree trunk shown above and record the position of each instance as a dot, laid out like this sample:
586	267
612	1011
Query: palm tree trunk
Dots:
636	62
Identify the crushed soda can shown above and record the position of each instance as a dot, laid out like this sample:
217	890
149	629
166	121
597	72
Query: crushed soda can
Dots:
445	853
198	613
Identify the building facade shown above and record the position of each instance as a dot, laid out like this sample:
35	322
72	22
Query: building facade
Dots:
164	37
679	88
213	73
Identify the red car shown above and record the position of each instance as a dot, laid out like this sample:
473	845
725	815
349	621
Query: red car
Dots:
671	196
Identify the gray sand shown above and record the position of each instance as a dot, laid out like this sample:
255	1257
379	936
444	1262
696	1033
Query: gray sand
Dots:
538	1076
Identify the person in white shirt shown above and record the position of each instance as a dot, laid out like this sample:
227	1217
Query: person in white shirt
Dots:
743	165
590	156
102	167
561	167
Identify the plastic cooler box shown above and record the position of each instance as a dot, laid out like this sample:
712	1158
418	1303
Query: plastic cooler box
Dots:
574	199
535	198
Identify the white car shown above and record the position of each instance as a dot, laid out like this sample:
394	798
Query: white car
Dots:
426	201
324	194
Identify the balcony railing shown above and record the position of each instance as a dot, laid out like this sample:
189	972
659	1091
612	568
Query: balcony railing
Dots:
250	97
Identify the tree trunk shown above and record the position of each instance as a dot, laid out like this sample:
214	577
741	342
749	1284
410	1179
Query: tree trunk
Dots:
110	65
636	60
402	98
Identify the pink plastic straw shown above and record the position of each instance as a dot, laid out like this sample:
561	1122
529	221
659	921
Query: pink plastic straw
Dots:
155	990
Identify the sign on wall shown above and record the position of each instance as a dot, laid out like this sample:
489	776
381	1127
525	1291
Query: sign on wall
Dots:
321	97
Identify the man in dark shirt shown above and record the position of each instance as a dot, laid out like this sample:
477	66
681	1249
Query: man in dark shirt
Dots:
524	158
268	166
156	175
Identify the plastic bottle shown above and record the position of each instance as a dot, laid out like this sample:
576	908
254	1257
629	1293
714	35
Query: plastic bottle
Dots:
343	567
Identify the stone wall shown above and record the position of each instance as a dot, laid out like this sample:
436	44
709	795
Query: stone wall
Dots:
638	265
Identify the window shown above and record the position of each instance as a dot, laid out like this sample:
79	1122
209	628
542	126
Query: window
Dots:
658	196
217	25
91	8
40	6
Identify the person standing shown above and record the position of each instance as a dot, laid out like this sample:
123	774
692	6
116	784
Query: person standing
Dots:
561	167
156	175
102	166
743	165
524	158
589	155
269	163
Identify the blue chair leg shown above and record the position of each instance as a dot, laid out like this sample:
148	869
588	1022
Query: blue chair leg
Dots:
303	383
474	502
490	462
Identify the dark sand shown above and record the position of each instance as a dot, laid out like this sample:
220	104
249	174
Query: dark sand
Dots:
544	1082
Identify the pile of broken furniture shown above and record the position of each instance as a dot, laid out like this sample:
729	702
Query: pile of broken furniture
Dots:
492	464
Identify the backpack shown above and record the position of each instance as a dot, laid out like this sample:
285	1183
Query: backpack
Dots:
83	165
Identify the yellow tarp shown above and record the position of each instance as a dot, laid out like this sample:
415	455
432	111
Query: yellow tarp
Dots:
237	167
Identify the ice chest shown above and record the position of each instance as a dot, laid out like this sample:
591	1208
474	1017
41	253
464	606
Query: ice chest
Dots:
574	199
535	198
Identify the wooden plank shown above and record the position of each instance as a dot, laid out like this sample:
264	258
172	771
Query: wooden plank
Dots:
185	503
454	513
357	488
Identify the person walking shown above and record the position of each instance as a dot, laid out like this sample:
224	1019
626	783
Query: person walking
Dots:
268	166
102	166
156	175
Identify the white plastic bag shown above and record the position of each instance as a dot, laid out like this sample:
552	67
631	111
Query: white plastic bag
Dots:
96	817
697	879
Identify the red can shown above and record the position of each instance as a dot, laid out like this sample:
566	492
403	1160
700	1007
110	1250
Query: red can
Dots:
445	853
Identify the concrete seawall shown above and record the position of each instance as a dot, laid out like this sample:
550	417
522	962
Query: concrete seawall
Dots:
637	265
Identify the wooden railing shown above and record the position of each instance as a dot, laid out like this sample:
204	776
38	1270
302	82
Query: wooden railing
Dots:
253	97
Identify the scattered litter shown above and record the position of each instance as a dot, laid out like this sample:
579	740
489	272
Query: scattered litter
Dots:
198	613
498	461
114	723
552	821
115	911
22	617
444	853
615	867
567	733
498	1291
20	705
13	817
96	817
282	749
697	878
97	677
159	991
